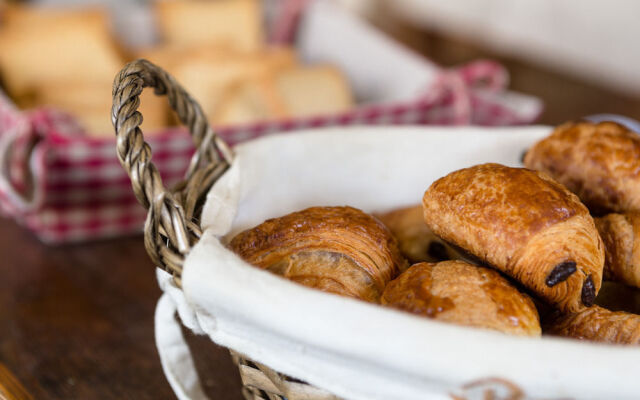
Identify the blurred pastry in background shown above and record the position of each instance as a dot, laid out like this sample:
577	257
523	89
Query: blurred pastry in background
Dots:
208	72
66	58
40	46
417	242
89	104
314	90
233	23
293	92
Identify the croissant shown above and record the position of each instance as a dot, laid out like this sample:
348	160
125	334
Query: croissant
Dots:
597	324
621	236
339	250
416	241
598	162
524	224
464	294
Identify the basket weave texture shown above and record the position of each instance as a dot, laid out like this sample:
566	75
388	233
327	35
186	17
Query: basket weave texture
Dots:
172	224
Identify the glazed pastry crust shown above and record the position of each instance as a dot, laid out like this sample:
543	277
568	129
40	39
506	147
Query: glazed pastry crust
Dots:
339	250
464	294
621	236
597	324
416	241
524	224
598	162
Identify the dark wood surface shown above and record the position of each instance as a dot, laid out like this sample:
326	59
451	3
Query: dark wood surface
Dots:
76	322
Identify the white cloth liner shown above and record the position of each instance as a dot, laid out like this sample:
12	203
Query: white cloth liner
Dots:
354	349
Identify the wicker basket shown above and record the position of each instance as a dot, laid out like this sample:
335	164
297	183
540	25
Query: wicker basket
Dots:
172	228
427	359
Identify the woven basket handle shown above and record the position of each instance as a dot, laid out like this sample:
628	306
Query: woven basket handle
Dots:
171	227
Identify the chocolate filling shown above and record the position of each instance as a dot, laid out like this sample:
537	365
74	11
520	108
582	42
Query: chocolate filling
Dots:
588	292
560	273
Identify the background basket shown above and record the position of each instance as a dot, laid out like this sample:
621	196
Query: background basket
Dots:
65	186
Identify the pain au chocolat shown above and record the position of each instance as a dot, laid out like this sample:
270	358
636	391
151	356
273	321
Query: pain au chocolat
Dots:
596	324
464	294
621	236
600	162
416	241
524	224
340	250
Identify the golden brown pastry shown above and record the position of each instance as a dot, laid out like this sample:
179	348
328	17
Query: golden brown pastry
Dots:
462	293
417	242
621	236
597	324
524	224
339	250
598	162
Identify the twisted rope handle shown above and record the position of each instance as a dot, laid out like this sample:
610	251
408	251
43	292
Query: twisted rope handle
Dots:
171	227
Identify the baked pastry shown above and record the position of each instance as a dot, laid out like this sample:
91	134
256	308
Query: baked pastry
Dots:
597	324
621	236
339	250
462	293
524	224
416	241
236	24
40	45
598	162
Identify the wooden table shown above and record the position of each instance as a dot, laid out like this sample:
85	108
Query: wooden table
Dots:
76	322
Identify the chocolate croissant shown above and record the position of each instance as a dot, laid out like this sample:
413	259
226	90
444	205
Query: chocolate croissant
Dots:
598	162
462	293
597	324
416	241
524	224
339	250
621	236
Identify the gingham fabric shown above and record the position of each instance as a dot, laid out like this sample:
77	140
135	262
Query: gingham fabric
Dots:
66	186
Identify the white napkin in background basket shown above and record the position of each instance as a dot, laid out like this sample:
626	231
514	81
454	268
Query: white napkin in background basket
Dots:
354	349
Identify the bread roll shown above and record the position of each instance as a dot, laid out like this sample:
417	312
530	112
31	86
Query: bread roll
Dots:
42	46
293	92
232	23
90	104
313	90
